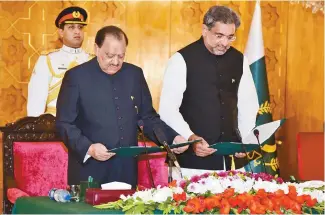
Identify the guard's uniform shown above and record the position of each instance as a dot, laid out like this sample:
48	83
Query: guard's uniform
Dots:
45	83
46	79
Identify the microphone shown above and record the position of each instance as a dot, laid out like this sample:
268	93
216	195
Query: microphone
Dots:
244	148
162	139
257	134
141	125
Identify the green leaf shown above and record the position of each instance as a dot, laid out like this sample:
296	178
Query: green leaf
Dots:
111	205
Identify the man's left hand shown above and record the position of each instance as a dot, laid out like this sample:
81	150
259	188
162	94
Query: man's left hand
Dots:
240	155
177	140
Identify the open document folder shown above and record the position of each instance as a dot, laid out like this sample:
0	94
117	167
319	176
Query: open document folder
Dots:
249	143
132	151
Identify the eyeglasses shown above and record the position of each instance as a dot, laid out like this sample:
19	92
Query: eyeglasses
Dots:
220	37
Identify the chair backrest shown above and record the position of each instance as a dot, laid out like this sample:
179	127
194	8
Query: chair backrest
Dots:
310	154
23	142
40	166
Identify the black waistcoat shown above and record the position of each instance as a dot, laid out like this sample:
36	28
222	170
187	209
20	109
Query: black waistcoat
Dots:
209	103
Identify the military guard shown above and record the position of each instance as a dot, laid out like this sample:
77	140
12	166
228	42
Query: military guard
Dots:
46	79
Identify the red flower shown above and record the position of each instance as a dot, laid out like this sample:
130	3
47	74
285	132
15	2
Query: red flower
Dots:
192	206
209	203
279	193
239	210
279	180
202	204
295	207
261	193
225	207
260	209
256	198
172	184
195	178
217	200
228	193
278	211
286	202
311	202
256	208
252	205
233	201
179	197
182	184
292	192
212	202
276	203
267	203
243	200
222	174
300	199
292	189
307	197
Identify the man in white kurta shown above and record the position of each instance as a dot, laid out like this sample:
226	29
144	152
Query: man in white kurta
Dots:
209	94
49	70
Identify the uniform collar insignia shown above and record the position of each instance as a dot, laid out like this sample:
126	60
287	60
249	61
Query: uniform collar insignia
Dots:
71	50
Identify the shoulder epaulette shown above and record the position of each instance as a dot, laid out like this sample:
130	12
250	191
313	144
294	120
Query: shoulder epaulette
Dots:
49	51
91	54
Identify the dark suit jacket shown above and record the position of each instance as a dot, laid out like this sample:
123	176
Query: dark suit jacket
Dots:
94	107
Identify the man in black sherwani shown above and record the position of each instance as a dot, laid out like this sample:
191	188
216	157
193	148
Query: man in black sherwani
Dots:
98	108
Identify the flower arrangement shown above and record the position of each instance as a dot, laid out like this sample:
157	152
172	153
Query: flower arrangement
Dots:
226	192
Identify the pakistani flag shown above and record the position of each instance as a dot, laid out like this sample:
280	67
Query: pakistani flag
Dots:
255	53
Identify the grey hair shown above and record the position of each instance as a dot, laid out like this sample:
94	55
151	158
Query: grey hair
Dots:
221	14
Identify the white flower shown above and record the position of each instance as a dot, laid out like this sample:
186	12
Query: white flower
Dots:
162	194
124	198
178	190
145	195
242	186
270	186
316	194
225	182
197	188
312	184
214	185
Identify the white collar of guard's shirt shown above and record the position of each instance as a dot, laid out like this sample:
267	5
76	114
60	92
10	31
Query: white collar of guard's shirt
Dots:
71	50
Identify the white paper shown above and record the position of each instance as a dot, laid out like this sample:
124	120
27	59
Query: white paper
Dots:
265	132
116	186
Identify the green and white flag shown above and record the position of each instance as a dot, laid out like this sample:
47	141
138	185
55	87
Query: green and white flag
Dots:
255	53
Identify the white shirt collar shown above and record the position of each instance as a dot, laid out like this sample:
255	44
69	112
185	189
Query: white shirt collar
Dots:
71	50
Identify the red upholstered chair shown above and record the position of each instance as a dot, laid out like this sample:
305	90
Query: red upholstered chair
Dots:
157	167
40	166
34	159
310	152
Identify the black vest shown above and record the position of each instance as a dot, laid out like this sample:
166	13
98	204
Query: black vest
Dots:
209	103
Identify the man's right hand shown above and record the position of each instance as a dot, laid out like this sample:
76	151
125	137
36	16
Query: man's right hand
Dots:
201	148
99	152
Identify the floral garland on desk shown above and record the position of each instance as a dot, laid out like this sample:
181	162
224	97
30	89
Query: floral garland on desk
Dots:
226	192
